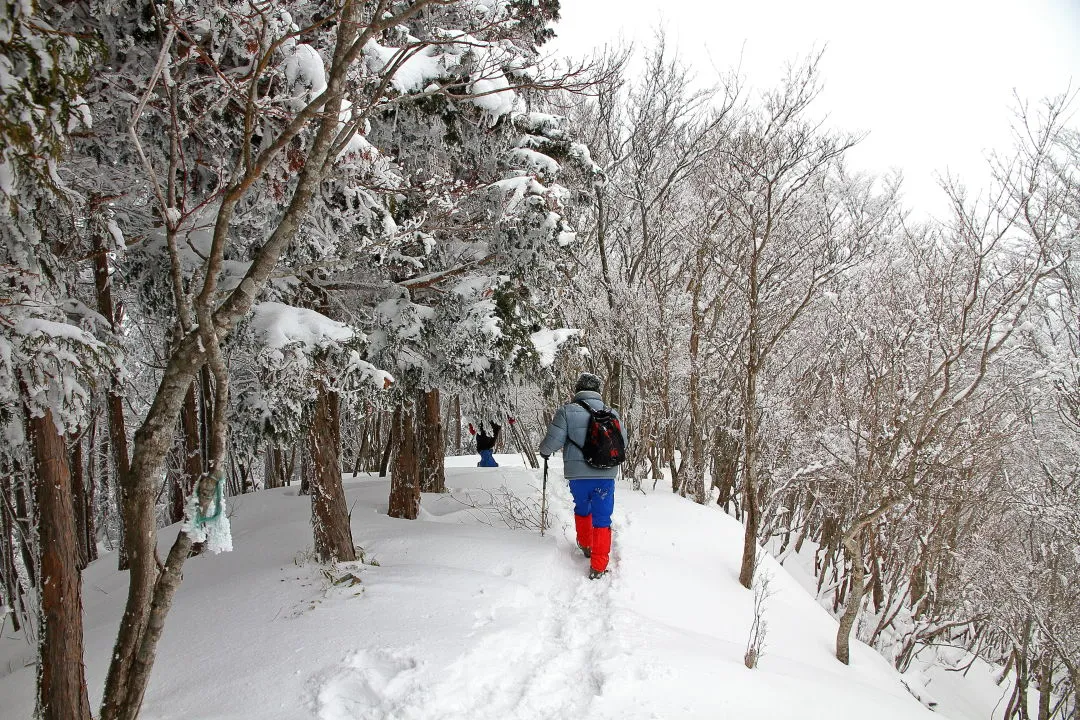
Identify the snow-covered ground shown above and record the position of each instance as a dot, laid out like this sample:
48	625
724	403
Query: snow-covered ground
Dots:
456	616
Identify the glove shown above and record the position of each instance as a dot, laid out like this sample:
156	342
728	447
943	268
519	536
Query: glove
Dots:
472	430
512	420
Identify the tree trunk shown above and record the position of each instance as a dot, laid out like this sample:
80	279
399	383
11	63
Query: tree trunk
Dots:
329	512
25	522
615	385
241	477
192	468
123	691
280	466
725	466
656	462
750	510
448	422
61	680
751	505
305	471
269	468
876	585
113	507
807	510
114	401
789	520
694	475
289	473
1045	679
1074	673
853	548
1018	703
519	439
137	676
431	444
669	455
457	420
404	480
366	432
391	433
12	589
90	528
79	506
751	414
205	405
379	427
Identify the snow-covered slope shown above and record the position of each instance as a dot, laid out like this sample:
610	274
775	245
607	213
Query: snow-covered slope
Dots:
464	618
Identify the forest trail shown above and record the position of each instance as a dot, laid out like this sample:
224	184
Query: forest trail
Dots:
529	655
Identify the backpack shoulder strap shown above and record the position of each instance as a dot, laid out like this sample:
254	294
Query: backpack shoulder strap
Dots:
591	412
587	407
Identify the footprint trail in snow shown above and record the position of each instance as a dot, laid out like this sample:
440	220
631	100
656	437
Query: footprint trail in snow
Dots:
543	652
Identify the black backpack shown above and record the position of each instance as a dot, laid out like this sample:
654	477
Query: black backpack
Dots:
604	446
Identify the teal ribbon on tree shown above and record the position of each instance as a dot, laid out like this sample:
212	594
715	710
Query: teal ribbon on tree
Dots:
219	496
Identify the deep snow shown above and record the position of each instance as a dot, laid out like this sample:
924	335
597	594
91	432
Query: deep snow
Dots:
456	616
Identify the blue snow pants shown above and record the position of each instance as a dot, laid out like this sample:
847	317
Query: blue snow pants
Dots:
596	497
487	459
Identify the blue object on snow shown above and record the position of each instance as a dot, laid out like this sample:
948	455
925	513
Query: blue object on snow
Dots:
487	459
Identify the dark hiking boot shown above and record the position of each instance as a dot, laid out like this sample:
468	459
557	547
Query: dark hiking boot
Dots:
587	552
595	574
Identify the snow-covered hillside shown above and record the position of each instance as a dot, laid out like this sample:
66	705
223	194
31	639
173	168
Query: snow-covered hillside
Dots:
456	616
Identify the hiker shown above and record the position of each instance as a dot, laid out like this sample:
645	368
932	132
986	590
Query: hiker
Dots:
591	484
485	444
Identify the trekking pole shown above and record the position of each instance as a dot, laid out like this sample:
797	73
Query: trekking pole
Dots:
543	502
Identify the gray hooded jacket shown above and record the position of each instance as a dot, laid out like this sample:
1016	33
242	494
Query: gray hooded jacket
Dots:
570	422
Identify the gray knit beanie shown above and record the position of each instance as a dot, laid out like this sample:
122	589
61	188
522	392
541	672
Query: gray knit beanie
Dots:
588	381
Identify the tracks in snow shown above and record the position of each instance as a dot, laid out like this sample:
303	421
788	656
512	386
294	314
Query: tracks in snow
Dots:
551	661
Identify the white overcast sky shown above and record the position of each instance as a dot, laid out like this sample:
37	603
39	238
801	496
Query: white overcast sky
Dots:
932	81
